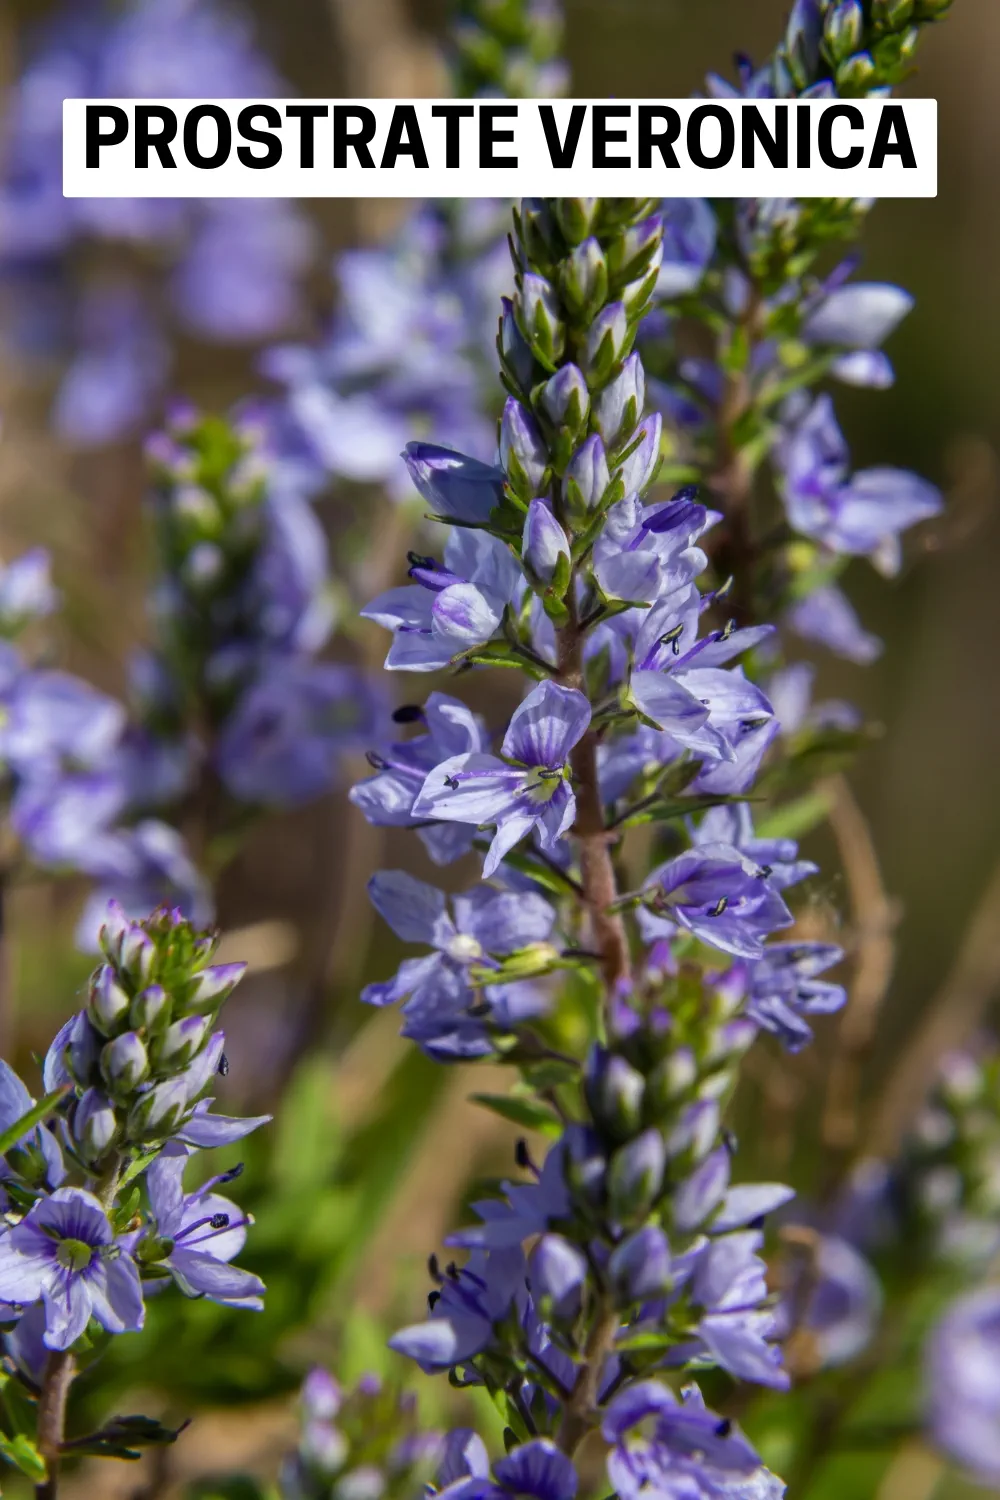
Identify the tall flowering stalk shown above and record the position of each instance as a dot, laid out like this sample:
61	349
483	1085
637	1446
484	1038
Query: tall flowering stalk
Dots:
643	1256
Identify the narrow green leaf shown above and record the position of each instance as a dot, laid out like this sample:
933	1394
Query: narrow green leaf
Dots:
22	1453
525	1112
35	1115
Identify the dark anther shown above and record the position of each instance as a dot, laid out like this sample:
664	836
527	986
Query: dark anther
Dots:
451	782
522	1155
764	872
232	1174
688	492
415	560
451	1270
434	1268
718	908
219	1221
730	1142
408	714
723	1428
479	1010
433	1298
375	760
224	1066
727	630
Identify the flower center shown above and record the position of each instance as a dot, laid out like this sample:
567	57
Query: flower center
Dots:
464	949
74	1255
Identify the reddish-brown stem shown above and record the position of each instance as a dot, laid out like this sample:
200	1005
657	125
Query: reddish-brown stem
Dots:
59	1372
578	1413
597	871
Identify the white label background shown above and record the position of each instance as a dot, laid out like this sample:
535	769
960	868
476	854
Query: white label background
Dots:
118	177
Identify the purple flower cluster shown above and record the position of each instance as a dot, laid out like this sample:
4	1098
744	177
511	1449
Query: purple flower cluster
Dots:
128	1079
234	689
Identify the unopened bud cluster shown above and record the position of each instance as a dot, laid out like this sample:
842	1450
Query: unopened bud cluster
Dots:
144	1051
507	49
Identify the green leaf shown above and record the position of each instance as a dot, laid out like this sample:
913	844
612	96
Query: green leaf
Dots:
307	1140
526	1112
35	1115
22	1453
796	818
19	1409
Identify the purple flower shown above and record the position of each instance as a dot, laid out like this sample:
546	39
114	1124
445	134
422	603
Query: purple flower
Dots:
783	989
645	554
689	232
63	1253
861	514
843	1302
200	1233
441	1009
861	315
282	742
718	894
141	868
962	1380
528	788
388	797
674	1448
463	1312
455	486
827	617
26	591
448	609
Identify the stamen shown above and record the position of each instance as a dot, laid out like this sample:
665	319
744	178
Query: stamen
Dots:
375	760
224	1066
409	713
718	908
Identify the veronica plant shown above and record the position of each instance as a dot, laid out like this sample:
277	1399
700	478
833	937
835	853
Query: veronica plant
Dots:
97	1212
233	709
626	1006
749	274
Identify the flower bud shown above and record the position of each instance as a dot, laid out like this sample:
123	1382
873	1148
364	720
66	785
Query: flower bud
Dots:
618	407
95	1125
137	954
514	348
205	1065
614	1092
843	29
586	478
702	1192
609	339
181	1041
151	1009
640	1266
158	1112
894	14
124	1063
635	1176
558	1274
857	75
203	566
108	1005
575	217
637	472
538	229
672	1077
566	399
522	451
544	546
540	320
82	1052
211	987
585	279
114	928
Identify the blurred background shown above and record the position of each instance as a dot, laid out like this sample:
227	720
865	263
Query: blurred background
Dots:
374	1146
